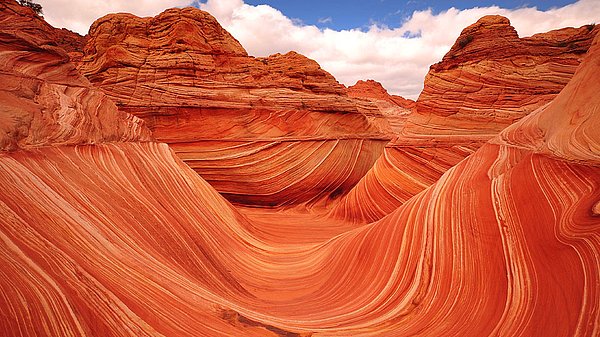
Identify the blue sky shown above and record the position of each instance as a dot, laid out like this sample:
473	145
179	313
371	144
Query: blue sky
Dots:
344	14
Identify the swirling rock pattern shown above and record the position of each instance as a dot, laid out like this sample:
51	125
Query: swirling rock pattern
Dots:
44	99
124	239
192	82
399	174
491	78
488	80
279	173
152	262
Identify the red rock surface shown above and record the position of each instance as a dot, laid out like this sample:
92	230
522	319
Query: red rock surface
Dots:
33	27
44	99
374	90
491	78
200	92
395	108
488	80
124	239
398	175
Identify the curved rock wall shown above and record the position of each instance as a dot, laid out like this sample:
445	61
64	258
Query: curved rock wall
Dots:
124	239
489	79
192	82
44	99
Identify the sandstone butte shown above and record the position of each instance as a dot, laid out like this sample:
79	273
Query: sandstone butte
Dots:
262	131
488	80
111	234
371	89
395	108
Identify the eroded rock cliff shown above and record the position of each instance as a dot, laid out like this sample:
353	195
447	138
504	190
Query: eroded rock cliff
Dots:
374	90
489	79
263	131
44	98
121	238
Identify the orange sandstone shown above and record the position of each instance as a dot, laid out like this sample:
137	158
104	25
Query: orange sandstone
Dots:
263	131
488	80
374	90
44	98
101	237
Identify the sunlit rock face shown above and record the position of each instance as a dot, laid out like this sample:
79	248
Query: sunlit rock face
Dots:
200	92
31	27
491	78
117	236
44	99
371	89
488	80
398	175
396	109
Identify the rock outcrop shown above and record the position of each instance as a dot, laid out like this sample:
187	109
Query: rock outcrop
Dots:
124	239
263	131
489	79
45	101
32	27
374	90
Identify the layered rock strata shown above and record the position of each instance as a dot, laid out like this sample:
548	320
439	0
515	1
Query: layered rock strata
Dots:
395	108
374	90
198	90
489	79
124	239
44	98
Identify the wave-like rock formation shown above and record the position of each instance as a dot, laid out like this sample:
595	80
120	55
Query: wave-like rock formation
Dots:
200	92
124	239
44	99
399	174
491	78
488	80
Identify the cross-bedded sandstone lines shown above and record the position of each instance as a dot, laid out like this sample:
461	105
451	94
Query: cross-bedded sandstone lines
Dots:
371	89
487	81
44	98
492	78
118	236
152	245
192	82
398	175
277	173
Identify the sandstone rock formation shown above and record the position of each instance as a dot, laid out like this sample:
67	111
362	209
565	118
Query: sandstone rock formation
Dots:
491	78
263	131
374	90
122	238
398	175
395	108
30	26
488	80
44	99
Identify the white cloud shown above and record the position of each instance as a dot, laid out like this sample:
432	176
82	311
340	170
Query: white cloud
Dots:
383	54
78	15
